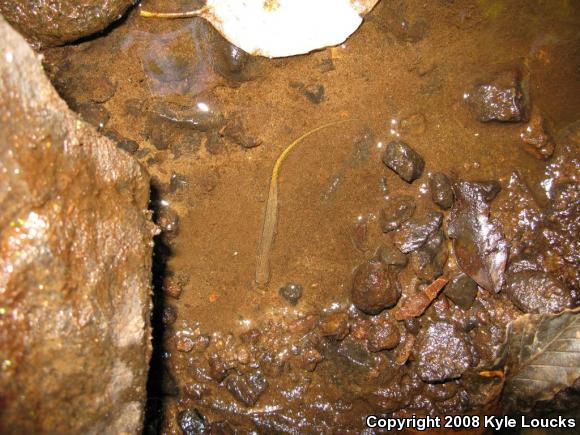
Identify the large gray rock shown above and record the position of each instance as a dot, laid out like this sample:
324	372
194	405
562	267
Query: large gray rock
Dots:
75	262
55	22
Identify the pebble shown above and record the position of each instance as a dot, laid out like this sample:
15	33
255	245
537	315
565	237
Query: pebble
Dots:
292	292
375	288
415	232
404	160
396	212
441	191
462	290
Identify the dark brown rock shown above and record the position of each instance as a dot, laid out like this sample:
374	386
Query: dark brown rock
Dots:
383	335
390	255
374	288
404	160
56	22
192	422
536	140
501	99
247	389
443	352
397	211
441	191
75	249
462	290
416	232
429	260
538	292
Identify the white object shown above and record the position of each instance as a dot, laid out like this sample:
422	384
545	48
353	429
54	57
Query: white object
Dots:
279	28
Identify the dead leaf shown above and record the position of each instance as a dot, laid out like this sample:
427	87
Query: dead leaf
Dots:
277	28
480	246
416	305
543	358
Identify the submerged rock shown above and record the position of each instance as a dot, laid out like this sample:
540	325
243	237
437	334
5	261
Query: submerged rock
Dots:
375	288
538	292
462	290
56	22
501	99
443	352
441	191
415	232
397	211
404	160
75	262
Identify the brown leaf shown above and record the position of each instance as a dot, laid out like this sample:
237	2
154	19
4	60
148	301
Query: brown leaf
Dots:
416	305
543	358
479	245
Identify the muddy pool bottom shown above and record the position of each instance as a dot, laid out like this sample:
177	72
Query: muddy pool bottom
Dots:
422	259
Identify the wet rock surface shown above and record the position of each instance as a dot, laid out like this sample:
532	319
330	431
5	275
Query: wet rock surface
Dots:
75	249
397	211
374	288
441	191
536	140
414	233
538	292
58	22
443	352
502	99
247	389
404	160
462	290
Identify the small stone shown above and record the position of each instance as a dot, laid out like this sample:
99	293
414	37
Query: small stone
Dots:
334	325
489	189
396	212
123	143
500	100
314	93
292	292
404	160
191	422
375	288
538	293
310	359
134	107
238	133
536	140
169	315
217	368
101	89
247	389
383	335
173	287
183	343
441	191
443	352
415	232
462	290
429	260
391	256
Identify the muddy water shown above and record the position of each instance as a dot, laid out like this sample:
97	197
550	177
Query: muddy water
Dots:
405	75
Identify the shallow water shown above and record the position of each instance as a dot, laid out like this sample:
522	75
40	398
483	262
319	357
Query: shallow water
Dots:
404	75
